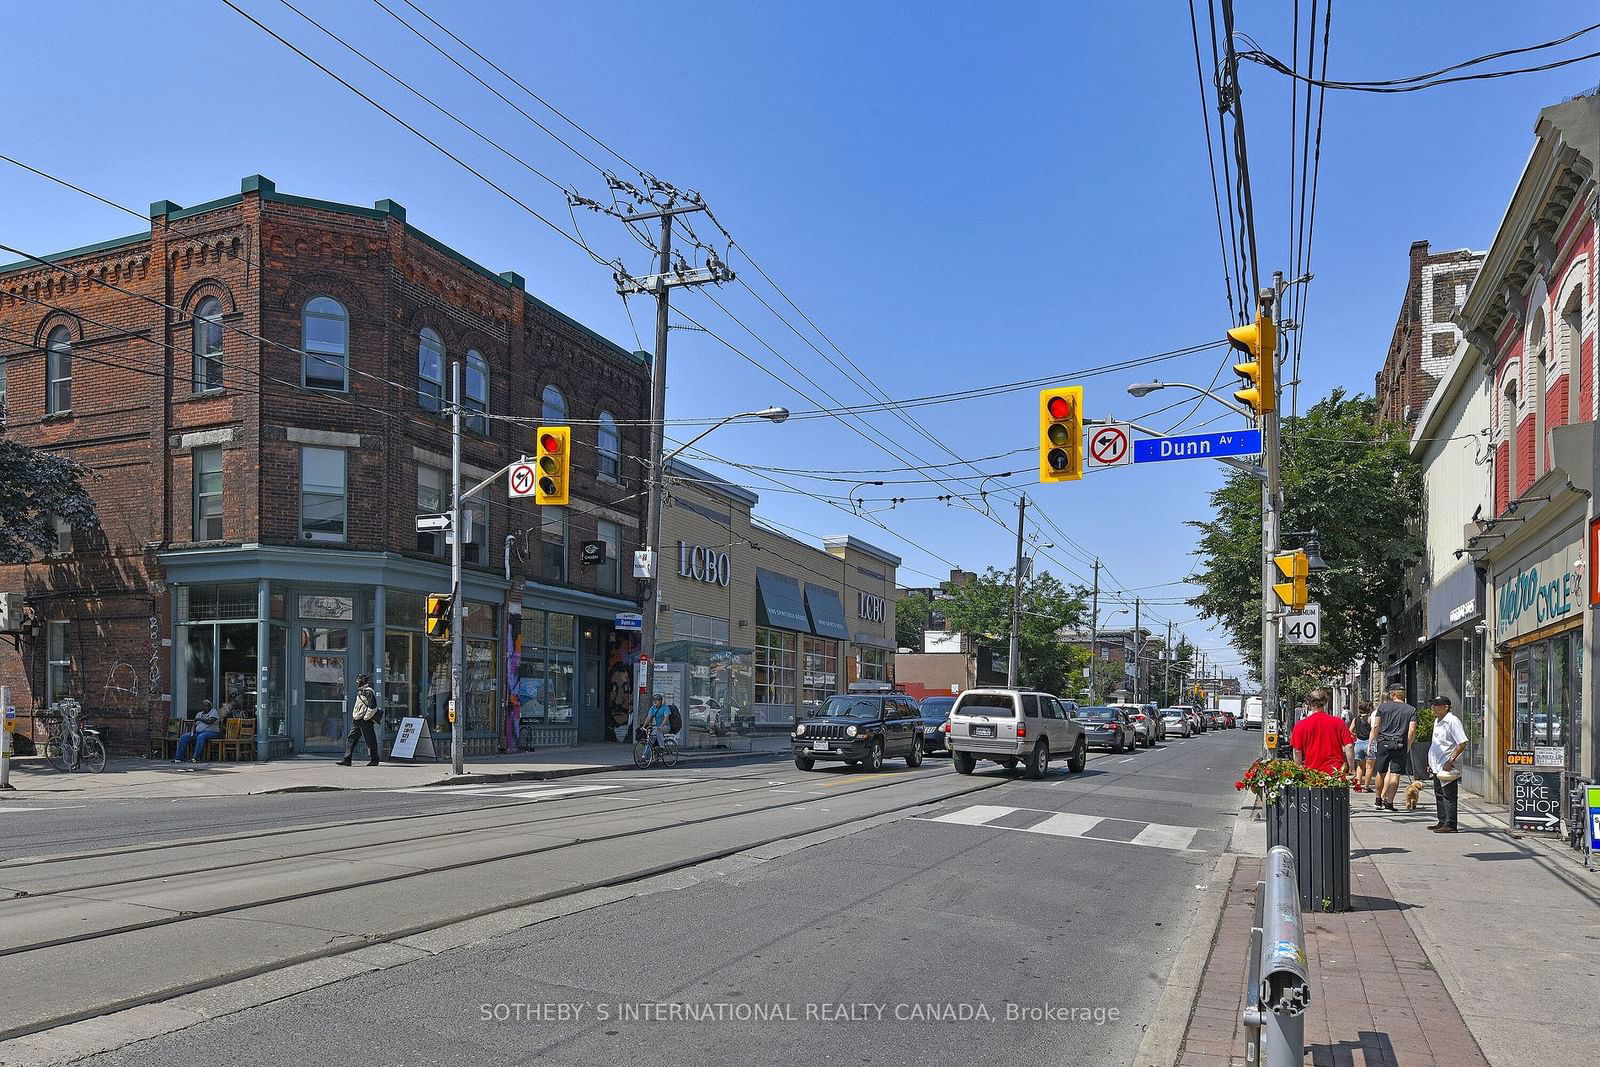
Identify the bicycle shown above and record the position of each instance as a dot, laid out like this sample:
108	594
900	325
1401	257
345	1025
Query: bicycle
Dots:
652	747
72	744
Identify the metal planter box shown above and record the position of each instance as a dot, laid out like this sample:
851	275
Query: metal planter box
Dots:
1314	824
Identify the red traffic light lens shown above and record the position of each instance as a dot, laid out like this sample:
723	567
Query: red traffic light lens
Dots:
1059	407
550	442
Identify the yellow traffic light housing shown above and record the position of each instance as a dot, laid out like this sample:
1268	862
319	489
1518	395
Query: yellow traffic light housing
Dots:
1295	566
439	611
552	484
1259	341
1061	434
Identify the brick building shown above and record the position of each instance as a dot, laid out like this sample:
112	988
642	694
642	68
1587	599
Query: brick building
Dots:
257	388
1425	333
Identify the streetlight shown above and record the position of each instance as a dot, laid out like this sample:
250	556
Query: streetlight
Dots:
1146	388
771	414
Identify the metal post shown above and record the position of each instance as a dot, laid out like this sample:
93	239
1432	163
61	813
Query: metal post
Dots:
1138	650
1094	638
1271	500
458	704
1285	983
1166	668
5	737
264	669
1014	663
658	409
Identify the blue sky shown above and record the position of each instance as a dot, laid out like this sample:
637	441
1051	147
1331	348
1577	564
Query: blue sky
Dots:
958	194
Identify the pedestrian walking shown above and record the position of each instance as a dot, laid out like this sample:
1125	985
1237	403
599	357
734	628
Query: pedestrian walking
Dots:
363	713
1361	727
1449	741
1394	728
1321	741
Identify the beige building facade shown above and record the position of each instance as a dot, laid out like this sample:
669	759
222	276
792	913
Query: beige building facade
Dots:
757	628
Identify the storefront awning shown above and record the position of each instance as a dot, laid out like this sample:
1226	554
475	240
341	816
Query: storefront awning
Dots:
778	597
827	612
1455	600
866	640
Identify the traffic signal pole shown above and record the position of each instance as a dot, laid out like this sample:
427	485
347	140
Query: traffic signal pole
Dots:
457	645
1014	661
1271	499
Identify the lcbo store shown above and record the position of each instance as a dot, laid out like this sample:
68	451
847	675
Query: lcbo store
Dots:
757	627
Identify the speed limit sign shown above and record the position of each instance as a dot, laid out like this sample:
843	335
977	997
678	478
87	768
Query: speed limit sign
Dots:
1304	627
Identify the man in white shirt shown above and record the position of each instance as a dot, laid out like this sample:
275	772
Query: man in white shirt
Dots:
1449	741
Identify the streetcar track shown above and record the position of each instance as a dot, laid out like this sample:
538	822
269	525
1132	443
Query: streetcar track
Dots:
356	942
408	873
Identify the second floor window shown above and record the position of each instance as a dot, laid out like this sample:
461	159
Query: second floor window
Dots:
476	400
608	573
553	528
208	345
430	371
325	334
431	500
208	494
58	371
552	406
610	443
322	494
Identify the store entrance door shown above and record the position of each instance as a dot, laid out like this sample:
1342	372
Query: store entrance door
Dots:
324	667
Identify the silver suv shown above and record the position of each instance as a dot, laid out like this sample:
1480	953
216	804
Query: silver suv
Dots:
1012	726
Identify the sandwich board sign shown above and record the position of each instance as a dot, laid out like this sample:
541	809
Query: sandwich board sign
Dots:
413	740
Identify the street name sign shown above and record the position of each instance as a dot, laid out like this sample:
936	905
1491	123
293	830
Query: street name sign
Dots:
629	620
1197	446
1305	627
1107	445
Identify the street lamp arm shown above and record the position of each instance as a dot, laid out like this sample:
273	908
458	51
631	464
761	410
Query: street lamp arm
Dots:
773	414
1142	388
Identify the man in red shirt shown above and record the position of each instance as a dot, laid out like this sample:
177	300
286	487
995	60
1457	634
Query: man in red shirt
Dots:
1321	741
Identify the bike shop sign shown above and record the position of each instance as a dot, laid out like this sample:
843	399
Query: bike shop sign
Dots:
1539	593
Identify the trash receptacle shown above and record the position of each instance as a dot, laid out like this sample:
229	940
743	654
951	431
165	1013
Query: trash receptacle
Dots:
1314	824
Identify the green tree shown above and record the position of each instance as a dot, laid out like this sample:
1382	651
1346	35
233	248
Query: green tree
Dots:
1352	479
982	607
910	619
34	486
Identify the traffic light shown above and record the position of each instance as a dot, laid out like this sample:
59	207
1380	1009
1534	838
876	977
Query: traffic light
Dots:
555	465
439	610
1295	566
1061	434
1259	341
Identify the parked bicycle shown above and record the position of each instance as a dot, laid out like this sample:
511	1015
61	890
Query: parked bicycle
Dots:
652	746
72	744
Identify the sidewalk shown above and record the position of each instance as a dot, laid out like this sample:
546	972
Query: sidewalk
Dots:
1480	947
132	779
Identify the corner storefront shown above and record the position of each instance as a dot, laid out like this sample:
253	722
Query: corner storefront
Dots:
1456	636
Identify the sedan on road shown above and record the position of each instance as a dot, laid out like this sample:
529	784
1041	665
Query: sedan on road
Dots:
935	713
1144	725
1177	722
1106	727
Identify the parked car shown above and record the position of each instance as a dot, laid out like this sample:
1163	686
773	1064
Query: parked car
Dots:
1177	721
1144	724
1108	727
1154	712
935	713
1230	720
1012	726
1197	722
861	728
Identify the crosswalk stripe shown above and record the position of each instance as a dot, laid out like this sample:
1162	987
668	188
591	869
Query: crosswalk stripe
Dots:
522	790
976	815
1065	824
1159	836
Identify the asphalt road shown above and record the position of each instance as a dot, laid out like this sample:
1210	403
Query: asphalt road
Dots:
1024	919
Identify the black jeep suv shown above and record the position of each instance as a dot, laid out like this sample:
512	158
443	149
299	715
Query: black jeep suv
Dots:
861	728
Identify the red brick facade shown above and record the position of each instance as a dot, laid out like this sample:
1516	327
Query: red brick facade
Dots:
1424	336
136	418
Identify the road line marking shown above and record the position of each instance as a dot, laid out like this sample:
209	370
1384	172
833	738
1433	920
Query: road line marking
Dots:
976	815
1128	760
1177	837
522	791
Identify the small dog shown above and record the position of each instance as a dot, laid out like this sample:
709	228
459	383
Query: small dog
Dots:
1413	791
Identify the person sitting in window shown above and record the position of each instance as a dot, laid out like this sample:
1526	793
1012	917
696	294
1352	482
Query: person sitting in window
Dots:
207	727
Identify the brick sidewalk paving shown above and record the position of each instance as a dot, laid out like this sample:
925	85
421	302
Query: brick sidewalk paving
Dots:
1375	999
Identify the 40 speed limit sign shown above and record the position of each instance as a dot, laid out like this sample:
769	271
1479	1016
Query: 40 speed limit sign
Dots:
1304	627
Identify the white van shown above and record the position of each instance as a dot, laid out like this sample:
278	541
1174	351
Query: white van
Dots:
1252	713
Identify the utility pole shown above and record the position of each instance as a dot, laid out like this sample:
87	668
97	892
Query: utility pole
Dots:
1166	673
1094	640
1014	663
660	285
458	672
1271	499
1138	649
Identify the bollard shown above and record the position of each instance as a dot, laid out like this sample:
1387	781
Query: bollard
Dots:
1252	988
1285	988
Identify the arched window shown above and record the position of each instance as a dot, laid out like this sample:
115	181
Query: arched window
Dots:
430	370
553	406
1539	353
476	401
1572	351
58	371
1508	421
325	333
610	448
208	345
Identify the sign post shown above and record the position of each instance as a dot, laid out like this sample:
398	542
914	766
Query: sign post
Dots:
10	714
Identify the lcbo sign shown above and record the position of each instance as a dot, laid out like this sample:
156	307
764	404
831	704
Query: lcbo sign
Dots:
704	564
869	607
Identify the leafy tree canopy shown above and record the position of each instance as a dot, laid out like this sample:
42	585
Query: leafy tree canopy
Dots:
910	619
1350	478
982	607
34	486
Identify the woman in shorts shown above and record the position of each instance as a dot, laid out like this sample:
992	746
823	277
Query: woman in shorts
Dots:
1361	726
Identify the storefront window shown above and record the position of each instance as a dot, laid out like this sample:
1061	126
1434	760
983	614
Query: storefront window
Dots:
547	674
1547	679
1472	699
689	626
774	667
277	710
874	665
820	678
